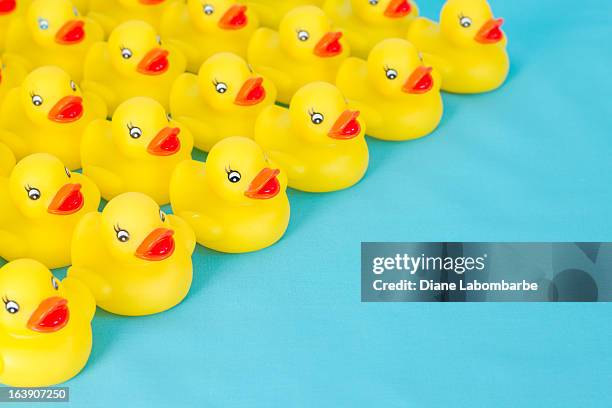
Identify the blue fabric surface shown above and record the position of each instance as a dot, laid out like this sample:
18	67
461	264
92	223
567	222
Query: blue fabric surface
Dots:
285	327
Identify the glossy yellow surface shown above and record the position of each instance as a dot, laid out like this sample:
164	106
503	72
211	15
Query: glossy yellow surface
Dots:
48	113
271	12
7	160
236	201
111	13
134	62
45	326
467	47
319	141
223	100
304	50
13	70
398	96
7	16
135	259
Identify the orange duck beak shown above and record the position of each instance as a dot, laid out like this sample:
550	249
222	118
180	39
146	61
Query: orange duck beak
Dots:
157	246
420	81
346	127
68	200
491	32
251	93
7	6
235	18
398	9
155	62
51	315
265	185
68	109
71	33
329	46
166	143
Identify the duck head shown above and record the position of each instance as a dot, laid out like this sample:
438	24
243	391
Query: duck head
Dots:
131	4
55	22
33	300
141	129
41	187
468	23
239	173
50	96
209	16
7	7
320	115
305	33
136	230
395	69
384	11
135	49
227	83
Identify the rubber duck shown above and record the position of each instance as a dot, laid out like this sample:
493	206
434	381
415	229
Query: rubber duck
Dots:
40	204
9	10
271	12
82	6
134	258
7	160
367	22
136	151
397	94
304	50
319	141
48	114
13	70
236	202
111	13
468	46
52	32
45	326
202	28
132	63
223	100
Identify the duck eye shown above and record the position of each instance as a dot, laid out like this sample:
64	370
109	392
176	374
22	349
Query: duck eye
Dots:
33	193
465	22
11	306
373	2
234	176
303	35
43	23
208	9
135	132
75	11
126	53
54	283
391	73
37	100
162	216
122	235
73	86
317	118
221	87
67	172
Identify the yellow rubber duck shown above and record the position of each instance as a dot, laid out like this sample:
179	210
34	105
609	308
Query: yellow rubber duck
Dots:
40	204
82	6
202	28
271	12
52	32
304	50
9	10
468	47
366	23
319	141
135	259
7	160
111	13
137	151
223	100
132	63
45	326
236	202
397	94
13	70
48	114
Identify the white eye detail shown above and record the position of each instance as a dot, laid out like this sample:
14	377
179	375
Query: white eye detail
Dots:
303	35
221	87
234	176
465	22
55	283
391	73
11	306
73	86
37	100
43	24
162	216
208	9
126	53
135	132
67	172
33	193
373	2
122	235
317	118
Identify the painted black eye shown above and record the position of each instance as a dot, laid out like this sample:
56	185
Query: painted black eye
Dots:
373	2
37	100
303	35
54	283
73	86
465	22
391	73
67	172
11	306
221	87
162	216
33	193
135	132
317	118
208	9
123	235
126	53
233	176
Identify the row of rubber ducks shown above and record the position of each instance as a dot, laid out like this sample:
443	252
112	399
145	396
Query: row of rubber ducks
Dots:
126	112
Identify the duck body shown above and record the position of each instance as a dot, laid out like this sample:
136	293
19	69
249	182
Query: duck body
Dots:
223	100
202	31
398	96
317	157
236	202
39	351
51	32
9	10
469	51
13	69
134	259
271	12
7	160
304	50
111	13
120	72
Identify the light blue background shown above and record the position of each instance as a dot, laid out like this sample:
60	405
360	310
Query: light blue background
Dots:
285	327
